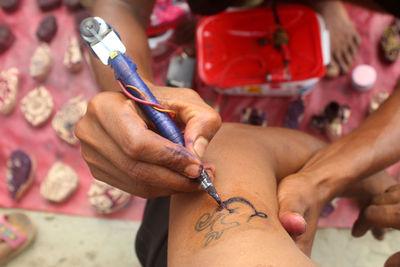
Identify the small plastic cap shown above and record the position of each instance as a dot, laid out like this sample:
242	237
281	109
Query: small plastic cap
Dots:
363	77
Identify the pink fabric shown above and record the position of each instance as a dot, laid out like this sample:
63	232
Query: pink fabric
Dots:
42	143
47	147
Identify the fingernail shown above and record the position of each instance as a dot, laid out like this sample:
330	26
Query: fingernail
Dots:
294	223
300	218
200	146
193	171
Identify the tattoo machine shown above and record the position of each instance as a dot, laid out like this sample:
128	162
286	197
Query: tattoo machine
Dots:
105	43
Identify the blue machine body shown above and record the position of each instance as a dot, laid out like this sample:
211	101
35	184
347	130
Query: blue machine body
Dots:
126	71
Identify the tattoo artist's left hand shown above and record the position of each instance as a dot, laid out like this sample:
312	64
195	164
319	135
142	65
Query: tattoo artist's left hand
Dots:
300	204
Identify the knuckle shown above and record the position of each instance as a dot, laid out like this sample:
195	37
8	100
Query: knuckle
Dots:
94	104
176	158
80	130
91	161
189	93
131	148
96	173
215	119
85	155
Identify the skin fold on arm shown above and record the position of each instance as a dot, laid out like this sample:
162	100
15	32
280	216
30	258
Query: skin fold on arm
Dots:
246	231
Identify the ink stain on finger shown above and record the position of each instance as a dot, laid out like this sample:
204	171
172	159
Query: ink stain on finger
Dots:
216	223
180	152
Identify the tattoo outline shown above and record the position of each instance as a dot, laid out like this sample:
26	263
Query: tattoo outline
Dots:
218	219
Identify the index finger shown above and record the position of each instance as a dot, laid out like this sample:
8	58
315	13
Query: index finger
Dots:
391	196
383	215
130	133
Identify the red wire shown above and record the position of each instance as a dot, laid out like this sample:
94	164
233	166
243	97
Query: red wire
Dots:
154	105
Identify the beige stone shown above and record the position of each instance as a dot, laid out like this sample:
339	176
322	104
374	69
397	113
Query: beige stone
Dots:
67	117
37	106
61	181
41	62
73	56
107	199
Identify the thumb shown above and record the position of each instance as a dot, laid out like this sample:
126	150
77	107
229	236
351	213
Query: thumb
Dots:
199	132
291	210
361	225
299	210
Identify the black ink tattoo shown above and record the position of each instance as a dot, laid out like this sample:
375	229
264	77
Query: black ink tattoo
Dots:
218	221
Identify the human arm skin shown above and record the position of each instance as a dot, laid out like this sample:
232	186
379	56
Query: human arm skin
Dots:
116	141
249	160
369	148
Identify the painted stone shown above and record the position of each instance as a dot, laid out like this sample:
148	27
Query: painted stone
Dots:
72	4
377	100
331	121
37	106
6	38
61	181
254	116
73	56
47	29
67	117
295	114
41	62
9	6
8	90
47	5
107	199
20	173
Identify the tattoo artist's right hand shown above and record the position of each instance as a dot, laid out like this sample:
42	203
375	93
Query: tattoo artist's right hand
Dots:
122	151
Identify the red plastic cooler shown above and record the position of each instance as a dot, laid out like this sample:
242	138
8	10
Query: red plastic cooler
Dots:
236	52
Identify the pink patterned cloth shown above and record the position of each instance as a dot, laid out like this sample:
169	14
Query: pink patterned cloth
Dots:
42	142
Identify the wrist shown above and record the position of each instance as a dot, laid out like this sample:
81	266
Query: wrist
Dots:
327	184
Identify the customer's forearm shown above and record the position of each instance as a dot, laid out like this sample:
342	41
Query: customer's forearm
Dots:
129	19
369	148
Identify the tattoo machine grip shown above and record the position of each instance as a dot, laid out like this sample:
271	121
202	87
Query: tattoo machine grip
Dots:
125	70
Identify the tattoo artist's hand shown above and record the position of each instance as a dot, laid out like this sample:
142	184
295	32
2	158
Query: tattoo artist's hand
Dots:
300	205
121	150
383	211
